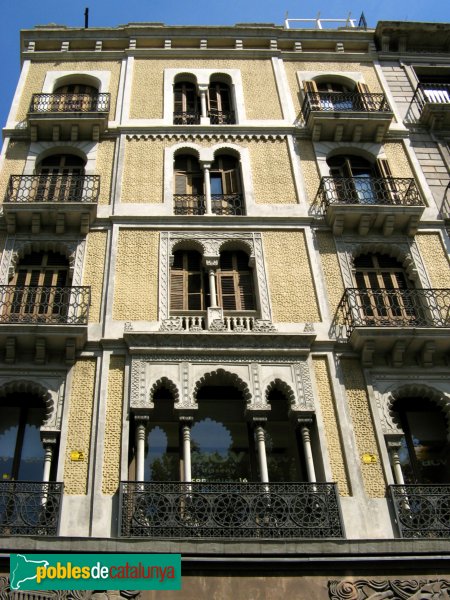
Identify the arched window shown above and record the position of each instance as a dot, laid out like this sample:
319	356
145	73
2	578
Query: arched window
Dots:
220	109
337	95
235	282
61	178
188	282
186	109
76	97
384	290
189	198
358	181
39	289
226	191
21	449
424	453
162	451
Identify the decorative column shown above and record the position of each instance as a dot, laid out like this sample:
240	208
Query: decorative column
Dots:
214	312
49	444
305	425
203	89
260	437
141	431
393	448
186	423
208	202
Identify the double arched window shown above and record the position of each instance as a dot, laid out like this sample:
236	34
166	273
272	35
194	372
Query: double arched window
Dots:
212	102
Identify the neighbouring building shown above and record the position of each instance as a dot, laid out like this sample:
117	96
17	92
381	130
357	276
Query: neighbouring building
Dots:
225	306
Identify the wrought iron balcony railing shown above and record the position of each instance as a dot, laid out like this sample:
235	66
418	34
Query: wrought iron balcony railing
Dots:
53	188
186	118
230	510
221	117
344	102
431	93
394	308
49	305
69	103
390	191
221	204
29	508
422	511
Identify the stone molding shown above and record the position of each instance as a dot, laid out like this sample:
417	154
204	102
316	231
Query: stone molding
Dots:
395	589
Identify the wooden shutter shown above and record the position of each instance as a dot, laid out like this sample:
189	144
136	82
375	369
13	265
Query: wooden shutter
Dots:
230	182
177	291
389	185
311	88
213	99
235	282
366	101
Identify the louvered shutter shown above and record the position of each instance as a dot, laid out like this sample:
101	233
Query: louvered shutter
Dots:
177	291
245	291
366	102
227	291
180	183
312	90
389	184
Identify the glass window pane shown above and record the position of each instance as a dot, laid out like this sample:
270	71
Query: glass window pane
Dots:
216	183
9	425
162	462
32	456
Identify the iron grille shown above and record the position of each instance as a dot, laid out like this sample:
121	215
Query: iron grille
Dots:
53	188
394	308
49	305
368	191
344	102
221	117
422	510
29	508
63	103
189	204
230	510
186	118
431	93
228	204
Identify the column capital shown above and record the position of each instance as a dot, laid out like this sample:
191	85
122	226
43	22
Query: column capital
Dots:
210	262
203	87
205	164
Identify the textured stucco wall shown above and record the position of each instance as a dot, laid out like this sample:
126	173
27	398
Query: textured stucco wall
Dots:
136	277
15	157
273	181
309	168
36	76
103	167
398	160
79	426
113	426
331	270
143	171
260	93
291	283
358	401
435	258
293	67
330	419
93	271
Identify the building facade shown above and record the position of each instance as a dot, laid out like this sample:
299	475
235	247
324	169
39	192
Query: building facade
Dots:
225	300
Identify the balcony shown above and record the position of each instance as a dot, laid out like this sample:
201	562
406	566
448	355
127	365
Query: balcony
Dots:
382	204
421	511
432	101
230	510
198	323
409	323
68	116
221	117
221	204
29	508
58	201
186	118
349	116
43	320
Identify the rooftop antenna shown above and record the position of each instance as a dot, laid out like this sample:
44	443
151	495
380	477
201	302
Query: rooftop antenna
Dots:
86	17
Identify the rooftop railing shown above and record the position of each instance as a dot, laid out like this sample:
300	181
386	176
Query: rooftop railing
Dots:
230	510
69	103
393	191
53	188
29	508
49	305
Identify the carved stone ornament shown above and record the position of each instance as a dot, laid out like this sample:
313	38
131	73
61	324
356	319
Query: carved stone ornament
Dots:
217	325
172	324
396	589
264	326
7	594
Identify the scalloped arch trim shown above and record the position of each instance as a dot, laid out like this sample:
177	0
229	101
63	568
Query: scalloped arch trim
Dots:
226	377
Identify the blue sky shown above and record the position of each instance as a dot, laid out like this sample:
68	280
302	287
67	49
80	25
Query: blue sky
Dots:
24	14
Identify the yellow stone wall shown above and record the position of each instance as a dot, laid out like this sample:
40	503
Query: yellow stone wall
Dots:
272	176
15	157
103	167
397	159
331	270
435	258
93	271
36	76
258	81
79	426
113	426
136	276
358	401
293	67
143	176
309	168
291	283
330	419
